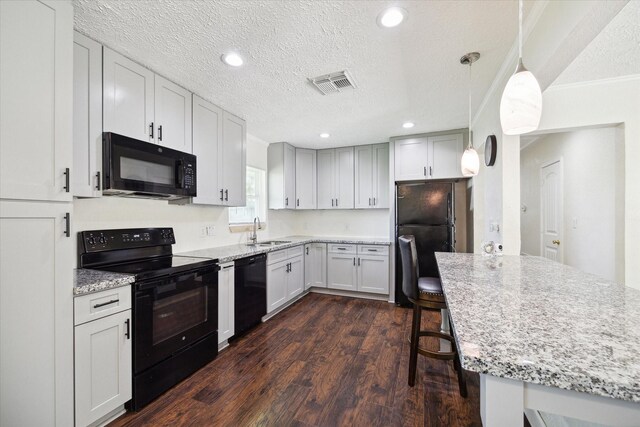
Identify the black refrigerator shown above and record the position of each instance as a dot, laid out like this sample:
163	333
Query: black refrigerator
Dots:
426	211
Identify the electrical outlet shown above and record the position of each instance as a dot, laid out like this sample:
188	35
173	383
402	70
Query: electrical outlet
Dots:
574	222
210	230
203	231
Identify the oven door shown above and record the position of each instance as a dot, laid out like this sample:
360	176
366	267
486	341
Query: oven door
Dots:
173	313
140	168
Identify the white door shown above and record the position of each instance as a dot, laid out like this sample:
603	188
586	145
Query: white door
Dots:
326	179
87	116
381	176
341	272
173	115
127	96
444	156
207	136
344	178
309	266
36	314
277	285
36	101
103	366
363	165
551	217
295	279
226	302
289	176
305	179
233	160
319	255
411	159
373	274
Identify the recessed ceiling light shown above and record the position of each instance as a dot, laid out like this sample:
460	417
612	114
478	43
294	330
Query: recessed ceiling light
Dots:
408	125
324	135
391	17
232	59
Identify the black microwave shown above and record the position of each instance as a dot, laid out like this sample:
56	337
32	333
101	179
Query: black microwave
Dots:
133	168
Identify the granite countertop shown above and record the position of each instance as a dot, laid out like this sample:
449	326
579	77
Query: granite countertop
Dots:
538	321
86	281
232	252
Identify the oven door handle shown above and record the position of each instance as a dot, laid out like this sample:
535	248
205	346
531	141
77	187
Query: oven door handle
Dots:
179	174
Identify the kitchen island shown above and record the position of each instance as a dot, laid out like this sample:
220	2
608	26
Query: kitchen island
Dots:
544	337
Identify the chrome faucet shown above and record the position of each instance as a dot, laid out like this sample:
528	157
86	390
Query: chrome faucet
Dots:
256	226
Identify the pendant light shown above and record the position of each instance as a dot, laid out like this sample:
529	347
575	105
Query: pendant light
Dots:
521	103
470	163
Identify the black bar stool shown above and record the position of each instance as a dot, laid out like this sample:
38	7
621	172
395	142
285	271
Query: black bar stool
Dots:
425	293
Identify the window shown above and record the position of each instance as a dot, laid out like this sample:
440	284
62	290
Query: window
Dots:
256	199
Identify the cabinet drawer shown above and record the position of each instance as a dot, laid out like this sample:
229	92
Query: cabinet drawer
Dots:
373	250
276	256
295	251
100	304
342	249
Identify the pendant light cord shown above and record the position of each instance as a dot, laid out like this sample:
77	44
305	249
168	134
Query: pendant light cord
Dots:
470	134
520	7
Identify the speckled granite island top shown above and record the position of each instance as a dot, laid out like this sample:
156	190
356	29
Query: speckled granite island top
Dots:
538	321
231	252
86	281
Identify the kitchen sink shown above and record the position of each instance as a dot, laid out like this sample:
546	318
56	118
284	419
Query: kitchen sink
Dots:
269	243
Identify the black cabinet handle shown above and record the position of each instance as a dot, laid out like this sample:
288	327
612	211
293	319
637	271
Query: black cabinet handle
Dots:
286	201
425	171
354	261
160	133
151	130
374	201
336	203
98	180
226	195
358	262
113	301
430	171
66	180
221	195
331	202
307	249
369	201
67	224
127	332
297	202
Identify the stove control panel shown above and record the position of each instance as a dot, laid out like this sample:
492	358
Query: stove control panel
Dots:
106	240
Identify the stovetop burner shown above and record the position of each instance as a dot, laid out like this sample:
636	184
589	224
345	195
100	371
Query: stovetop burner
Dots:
157	267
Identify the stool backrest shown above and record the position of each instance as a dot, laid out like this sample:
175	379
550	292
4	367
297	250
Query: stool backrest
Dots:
409	257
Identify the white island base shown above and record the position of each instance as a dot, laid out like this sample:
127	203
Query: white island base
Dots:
503	401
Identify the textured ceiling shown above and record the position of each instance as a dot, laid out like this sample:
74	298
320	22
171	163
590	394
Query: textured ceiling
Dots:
411	72
614	52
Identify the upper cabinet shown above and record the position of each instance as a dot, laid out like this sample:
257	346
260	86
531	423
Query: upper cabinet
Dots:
428	157
145	106
207	138
335	178
372	176
172	115
232	168
36	105
128	97
87	116
281	160
305	179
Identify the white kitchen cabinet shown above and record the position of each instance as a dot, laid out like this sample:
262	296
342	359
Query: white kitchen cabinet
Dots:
87	116
373	272
172	115
36	105
341	271
281	165
207	138
371	176
232	169
36	311
362	268
285	276
102	366
428	157
305	184
336	178
226	302
128	97
315	265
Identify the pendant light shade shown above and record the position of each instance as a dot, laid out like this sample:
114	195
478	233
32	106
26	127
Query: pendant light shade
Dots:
521	103
470	163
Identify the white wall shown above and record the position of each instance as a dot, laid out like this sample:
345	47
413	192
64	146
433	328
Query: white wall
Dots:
589	197
355	223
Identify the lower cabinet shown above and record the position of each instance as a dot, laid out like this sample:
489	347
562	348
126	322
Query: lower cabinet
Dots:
226	302
285	276
315	265
102	354
362	268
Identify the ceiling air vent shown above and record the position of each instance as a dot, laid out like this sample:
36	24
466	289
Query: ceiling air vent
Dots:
334	82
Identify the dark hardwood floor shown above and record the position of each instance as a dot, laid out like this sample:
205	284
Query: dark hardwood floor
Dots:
325	361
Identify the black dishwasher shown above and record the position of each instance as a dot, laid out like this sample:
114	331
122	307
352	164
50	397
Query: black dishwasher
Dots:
250	292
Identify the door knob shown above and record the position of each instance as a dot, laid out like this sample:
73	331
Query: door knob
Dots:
555	242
